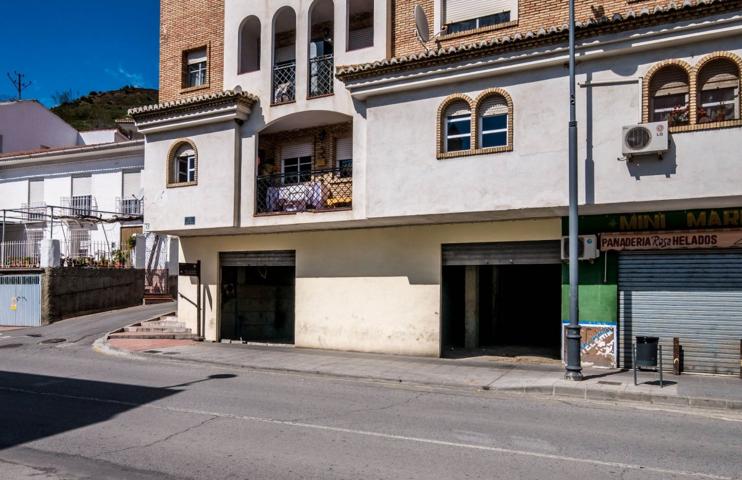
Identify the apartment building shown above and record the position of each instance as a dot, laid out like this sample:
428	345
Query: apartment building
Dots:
347	185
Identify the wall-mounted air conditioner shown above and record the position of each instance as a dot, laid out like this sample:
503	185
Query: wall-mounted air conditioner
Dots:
587	247
644	139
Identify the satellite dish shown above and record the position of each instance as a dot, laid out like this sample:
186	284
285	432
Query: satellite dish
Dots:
421	25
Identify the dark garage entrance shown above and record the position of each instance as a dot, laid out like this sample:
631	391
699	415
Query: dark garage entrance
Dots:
257	296
502	299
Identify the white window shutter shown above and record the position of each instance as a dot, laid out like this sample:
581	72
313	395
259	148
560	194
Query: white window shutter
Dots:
344	148
297	150
460	10
81	186
493	105
196	56
36	192
132	184
457	108
669	81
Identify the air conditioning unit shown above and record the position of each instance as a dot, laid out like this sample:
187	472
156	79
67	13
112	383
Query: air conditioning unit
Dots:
645	138
587	247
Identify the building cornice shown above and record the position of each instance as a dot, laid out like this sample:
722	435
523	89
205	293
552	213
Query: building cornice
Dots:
199	110
76	153
550	35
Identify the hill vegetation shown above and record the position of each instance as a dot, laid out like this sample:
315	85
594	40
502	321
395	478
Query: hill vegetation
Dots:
99	110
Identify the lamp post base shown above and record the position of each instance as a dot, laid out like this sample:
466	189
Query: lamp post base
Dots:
573	376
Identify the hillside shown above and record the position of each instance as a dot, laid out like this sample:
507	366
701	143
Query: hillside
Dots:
98	110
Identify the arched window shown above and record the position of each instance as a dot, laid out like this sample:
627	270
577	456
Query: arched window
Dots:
360	24
456	127
493	122
249	46
183	164
718	91
669	93
284	56
321	48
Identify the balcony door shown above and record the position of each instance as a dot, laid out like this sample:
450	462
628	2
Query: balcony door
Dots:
296	163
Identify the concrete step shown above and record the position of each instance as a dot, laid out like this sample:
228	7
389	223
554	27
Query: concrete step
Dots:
152	299
158	329
155	336
163	324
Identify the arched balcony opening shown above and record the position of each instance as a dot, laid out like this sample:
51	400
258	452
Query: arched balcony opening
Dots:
249	45
284	56
321	48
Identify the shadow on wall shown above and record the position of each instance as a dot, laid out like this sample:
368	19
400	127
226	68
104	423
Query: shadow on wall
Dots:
40	406
654	165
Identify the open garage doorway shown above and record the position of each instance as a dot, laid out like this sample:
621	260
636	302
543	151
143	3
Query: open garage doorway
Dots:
502	300
257	296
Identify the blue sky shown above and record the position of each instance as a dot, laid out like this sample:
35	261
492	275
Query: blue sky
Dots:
78	45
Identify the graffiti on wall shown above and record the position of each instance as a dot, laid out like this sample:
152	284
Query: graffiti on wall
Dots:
598	345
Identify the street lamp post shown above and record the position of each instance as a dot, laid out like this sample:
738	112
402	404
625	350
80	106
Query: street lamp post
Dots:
574	369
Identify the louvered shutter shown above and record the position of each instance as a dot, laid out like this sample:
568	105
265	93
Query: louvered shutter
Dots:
35	192
81	186
297	150
720	73
669	81
344	149
132	184
457	108
196	56
493	105
459	10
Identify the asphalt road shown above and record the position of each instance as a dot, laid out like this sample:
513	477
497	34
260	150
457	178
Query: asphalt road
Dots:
67	412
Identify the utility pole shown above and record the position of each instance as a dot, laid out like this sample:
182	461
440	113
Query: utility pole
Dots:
18	82
574	368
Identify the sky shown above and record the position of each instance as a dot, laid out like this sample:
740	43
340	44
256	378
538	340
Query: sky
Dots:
78	45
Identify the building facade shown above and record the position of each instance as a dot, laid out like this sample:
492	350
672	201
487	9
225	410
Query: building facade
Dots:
347	186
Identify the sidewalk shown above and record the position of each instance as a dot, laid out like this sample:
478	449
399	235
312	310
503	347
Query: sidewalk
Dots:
599	384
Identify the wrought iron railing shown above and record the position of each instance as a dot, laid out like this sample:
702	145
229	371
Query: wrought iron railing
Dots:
130	206
85	253
284	83
315	190
78	205
34	212
20	254
321	75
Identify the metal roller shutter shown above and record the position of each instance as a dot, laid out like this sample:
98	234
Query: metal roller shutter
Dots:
694	296
278	258
458	10
502	253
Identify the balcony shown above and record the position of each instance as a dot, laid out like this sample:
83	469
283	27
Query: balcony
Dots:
307	191
34	212
78	205
130	206
321	75
284	83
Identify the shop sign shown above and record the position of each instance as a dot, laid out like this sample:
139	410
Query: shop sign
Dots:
189	269
671	240
715	218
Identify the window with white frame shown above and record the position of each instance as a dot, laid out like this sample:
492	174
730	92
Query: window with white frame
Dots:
196	69
669	94
718	91
296	162
465	15
457	127
184	165
493	122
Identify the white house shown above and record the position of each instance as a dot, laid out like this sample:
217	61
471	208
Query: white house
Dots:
348	187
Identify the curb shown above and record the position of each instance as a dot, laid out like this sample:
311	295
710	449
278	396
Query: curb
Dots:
557	391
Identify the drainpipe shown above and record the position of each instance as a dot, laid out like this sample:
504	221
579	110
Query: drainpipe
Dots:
2	254
573	369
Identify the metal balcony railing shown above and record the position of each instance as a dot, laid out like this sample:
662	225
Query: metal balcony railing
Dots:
130	206
78	205
315	190
34	212
284	83
20	254
321	75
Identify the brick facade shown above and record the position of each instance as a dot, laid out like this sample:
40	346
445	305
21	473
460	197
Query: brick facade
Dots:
532	15
187	25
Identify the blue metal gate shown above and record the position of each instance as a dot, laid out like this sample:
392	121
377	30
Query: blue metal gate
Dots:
20	300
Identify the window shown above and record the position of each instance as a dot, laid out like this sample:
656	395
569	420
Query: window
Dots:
344	157
284	56
183	165
669	96
464	15
321	48
297	170
493	122
360	24
457	128
718	91
249	46
81	202
196	72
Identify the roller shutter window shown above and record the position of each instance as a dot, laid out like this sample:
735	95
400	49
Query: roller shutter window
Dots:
493	122
695	296
81	186
296	162
503	253
360	24
36	192
457	127
279	258
463	15
344	156
668	96
196	68
718	91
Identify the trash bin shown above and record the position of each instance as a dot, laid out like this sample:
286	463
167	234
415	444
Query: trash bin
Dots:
646	352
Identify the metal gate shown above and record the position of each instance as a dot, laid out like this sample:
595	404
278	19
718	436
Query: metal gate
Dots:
503	253
696	296
276	258
20	300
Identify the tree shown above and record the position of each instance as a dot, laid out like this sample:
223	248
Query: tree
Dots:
64	96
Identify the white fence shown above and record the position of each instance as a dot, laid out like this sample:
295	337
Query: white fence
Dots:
74	253
20	254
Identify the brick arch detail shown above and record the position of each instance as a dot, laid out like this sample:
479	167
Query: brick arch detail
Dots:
171	159
490	92
440	127
648	80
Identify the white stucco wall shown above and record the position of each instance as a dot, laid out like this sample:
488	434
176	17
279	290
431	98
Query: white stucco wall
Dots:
27	125
373	290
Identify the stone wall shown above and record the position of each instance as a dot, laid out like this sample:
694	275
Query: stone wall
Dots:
70	292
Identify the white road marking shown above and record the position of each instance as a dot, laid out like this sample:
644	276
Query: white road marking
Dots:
388	436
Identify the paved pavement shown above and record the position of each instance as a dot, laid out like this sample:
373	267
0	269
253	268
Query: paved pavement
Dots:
71	413
600	384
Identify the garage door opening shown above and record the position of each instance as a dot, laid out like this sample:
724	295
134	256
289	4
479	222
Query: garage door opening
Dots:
507	308
257	301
